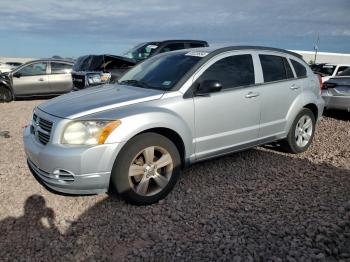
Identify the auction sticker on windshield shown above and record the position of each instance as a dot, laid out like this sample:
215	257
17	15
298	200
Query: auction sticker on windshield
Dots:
197	53
152	46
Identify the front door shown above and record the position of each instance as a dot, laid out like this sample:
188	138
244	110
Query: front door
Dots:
31	79
228	119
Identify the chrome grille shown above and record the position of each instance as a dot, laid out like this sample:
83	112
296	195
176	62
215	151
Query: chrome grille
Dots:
41	129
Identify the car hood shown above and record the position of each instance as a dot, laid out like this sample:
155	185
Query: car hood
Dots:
94	100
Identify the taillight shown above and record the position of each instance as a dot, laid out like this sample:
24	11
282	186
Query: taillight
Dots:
329	85
320	81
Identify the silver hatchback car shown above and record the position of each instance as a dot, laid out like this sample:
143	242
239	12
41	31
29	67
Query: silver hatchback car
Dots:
170	111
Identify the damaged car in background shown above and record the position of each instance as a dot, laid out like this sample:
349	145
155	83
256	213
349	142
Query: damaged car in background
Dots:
94	70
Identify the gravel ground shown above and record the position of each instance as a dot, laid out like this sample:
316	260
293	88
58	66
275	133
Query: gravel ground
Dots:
258	205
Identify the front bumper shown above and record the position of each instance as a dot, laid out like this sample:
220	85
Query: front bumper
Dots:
336	102
68	169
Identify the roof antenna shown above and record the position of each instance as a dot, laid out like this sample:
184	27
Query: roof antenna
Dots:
316	46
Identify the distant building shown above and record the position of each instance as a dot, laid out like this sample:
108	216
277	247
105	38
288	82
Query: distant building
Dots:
323	57
15	59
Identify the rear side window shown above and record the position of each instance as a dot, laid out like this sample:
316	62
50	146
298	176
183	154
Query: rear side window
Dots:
173	47
194	45
232	71
60	68
346	72
300	70
274	68
341	69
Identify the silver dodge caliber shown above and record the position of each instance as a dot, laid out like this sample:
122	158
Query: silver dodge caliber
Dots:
170	111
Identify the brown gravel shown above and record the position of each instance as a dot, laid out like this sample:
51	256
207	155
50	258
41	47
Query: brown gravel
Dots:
258	205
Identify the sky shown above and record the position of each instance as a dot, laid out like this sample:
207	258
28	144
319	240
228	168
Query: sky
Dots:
70	28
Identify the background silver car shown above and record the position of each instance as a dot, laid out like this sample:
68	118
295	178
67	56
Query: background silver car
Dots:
37	78
170	111
336	92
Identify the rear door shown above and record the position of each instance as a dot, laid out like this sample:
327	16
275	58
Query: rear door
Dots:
279	88
229	119
32	79
60	77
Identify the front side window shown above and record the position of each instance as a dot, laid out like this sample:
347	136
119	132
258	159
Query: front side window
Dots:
34	69
299	69
60	68
274	68
160	72
232	71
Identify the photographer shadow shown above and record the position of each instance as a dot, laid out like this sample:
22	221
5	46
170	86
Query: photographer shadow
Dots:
31	233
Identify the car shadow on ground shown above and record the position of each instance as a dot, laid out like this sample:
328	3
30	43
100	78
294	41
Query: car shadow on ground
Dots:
257	205
337	114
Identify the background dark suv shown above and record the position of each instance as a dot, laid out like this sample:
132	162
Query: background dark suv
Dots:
92	70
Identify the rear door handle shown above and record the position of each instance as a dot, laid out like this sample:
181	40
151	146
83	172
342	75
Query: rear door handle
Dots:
294	87
41	79
252	94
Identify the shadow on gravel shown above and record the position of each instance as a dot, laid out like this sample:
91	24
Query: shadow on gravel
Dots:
337	114
257	205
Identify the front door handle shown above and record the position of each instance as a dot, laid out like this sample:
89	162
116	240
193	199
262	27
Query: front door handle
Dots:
41	79
294	87
252	94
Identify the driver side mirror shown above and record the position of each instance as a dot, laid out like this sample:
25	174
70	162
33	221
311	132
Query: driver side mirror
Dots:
17	74
208	86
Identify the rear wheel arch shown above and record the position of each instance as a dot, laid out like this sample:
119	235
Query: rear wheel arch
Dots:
313	109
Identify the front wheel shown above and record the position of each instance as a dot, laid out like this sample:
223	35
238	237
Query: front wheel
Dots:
301	133
5	95
146	169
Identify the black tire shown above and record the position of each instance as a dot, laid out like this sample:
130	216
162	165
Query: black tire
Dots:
290	143
5	95
120	180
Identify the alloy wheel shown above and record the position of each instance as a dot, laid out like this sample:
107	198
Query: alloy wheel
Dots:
303	131
150	171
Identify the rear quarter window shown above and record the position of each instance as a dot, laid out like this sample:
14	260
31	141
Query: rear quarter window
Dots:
299	69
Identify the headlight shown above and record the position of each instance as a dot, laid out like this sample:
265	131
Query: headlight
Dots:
94	79
99	78
88	132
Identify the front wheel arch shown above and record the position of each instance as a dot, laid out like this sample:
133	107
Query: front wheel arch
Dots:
10	92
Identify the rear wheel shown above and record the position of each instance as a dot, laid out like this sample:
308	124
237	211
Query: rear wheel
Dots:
146	169
301	133
5	95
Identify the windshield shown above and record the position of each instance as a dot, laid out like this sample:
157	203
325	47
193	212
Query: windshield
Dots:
326	70
160	72
142	51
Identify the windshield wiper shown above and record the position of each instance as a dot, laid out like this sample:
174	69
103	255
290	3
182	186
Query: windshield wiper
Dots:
137	83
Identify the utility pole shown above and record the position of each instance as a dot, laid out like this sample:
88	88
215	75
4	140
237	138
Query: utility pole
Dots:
316	46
